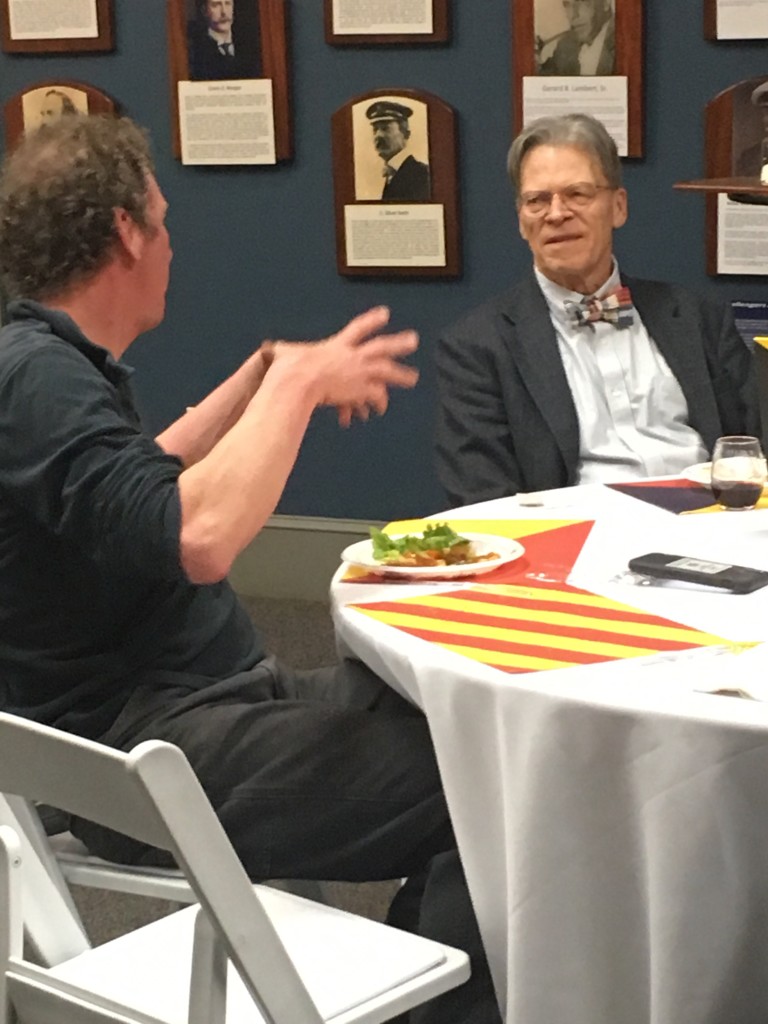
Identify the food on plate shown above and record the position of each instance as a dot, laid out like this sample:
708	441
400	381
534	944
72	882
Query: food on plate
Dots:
437	545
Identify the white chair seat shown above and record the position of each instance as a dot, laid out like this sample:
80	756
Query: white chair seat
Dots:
343	960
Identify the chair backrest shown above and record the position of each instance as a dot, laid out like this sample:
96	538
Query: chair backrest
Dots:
152	795
51	919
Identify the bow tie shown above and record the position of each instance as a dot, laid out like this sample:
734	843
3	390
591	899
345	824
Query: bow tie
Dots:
615	308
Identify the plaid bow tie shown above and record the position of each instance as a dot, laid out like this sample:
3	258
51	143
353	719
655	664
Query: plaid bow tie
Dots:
615	308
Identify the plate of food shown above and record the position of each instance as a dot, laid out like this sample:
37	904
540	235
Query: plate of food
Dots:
436	553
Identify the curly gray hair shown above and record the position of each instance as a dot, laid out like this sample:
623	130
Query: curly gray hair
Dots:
58	192
579	130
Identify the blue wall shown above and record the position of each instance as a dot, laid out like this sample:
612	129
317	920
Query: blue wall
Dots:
255	249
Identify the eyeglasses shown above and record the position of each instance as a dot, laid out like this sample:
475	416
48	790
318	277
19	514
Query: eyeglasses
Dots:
573	197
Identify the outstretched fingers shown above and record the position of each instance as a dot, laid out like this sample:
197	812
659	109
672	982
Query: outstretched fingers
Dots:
396	375
361	327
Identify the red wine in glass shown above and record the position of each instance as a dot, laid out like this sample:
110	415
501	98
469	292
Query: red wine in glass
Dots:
738	472
735	494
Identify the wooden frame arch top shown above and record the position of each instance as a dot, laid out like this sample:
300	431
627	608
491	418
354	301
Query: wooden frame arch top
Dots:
401	219
51	99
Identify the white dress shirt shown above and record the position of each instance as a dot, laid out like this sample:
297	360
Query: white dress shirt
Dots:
633	416
589	53
395	163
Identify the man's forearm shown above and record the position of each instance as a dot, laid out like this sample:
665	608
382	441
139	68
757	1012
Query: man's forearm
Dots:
228	495
194	435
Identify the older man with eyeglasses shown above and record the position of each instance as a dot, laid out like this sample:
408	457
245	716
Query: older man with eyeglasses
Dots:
578	373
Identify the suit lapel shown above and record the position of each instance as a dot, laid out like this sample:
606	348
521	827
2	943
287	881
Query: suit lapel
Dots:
677	338
528	331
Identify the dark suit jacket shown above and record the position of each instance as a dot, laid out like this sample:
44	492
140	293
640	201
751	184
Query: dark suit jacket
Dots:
565	59
750	162
506	419
208	64
411	181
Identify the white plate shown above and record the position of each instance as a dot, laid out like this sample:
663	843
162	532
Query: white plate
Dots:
361	554
701	473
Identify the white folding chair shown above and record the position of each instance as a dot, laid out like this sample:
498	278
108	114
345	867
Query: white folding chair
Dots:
55	861
245	954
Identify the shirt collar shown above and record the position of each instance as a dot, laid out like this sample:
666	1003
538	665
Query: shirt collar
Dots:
64	327
598	40
220	37
556	296
398	159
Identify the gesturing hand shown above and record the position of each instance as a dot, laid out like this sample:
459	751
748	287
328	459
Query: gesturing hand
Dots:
354	369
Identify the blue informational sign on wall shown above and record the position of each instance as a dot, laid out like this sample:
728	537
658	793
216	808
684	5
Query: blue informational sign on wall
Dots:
751	320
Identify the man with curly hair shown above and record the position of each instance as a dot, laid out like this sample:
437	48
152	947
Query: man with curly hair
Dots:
116	619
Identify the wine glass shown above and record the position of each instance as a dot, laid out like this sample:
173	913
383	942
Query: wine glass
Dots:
738	472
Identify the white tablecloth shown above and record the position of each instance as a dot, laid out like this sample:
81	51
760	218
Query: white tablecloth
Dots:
612	820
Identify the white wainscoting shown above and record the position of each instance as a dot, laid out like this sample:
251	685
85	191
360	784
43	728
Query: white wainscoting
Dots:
295	556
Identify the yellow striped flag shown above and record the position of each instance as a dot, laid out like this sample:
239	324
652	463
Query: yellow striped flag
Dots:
536	626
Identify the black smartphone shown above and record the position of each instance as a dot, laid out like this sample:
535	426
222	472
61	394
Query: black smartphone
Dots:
739	579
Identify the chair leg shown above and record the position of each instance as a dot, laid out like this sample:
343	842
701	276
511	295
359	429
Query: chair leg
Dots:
51	919
12	935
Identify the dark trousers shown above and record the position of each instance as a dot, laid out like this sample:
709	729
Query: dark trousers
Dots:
322	774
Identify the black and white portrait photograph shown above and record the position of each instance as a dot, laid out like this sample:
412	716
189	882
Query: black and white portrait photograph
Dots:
223	39
47	104
575	37
391	150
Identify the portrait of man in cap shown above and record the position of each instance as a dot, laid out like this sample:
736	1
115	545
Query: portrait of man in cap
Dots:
396	167
750	129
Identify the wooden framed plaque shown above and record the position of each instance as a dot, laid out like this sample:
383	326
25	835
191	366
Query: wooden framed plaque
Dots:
396	185
32	26
229	65
736	159
44	102
582	56
386	22
735	19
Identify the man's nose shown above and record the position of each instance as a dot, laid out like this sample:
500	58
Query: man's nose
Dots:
557	208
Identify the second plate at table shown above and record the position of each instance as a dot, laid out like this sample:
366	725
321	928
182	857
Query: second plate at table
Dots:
507	550
701	473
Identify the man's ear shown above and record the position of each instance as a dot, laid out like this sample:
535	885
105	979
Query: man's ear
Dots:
129	234
522	228
620	209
